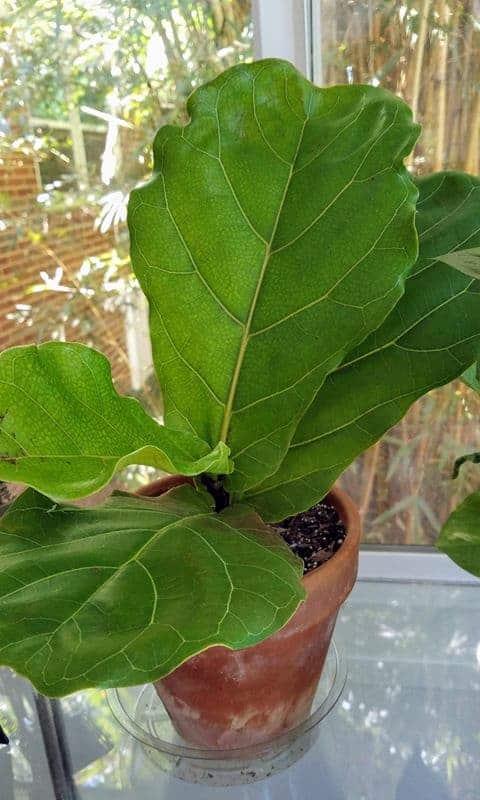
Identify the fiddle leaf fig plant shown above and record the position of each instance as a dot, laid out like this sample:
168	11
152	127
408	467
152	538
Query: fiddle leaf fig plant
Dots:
293	319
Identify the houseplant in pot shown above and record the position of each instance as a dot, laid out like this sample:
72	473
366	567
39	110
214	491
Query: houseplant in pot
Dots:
295	315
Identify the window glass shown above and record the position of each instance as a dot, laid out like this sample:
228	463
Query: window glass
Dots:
84	86
428	52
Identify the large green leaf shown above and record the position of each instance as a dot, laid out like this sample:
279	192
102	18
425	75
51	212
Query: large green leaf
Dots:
429	339
274	236
65	430
460	536
123	593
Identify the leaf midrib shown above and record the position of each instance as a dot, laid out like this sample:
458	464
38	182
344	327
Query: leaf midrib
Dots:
227	415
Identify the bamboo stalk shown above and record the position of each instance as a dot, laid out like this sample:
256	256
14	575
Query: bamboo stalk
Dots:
472	157
466	70
454	101
444	14
217	16
407	489
372	472
371	41
229	25
419	56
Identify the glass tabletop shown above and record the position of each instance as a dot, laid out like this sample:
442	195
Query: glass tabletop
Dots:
406	728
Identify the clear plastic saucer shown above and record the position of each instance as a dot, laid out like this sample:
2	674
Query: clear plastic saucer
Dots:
140	712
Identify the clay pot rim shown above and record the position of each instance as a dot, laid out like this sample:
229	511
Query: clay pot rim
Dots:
342	502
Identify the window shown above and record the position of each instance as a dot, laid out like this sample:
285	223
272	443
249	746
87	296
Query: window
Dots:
428	52
84	87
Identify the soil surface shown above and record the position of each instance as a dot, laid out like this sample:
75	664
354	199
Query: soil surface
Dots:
314	535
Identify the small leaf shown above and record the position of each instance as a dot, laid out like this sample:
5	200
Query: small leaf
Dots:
65	431
460	536
467	261
123	593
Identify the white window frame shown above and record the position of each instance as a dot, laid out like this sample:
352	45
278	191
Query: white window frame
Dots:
286	29
404	563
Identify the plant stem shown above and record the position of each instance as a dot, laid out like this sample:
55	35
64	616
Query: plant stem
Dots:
214	485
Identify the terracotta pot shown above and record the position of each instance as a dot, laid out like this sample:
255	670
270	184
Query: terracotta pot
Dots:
223	698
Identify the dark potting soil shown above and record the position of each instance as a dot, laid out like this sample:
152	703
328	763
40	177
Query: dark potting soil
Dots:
314	535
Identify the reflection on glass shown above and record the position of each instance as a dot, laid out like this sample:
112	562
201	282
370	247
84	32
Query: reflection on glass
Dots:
408	716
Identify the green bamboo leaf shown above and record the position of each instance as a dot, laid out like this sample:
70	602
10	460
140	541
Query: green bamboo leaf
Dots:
402	459
405	504
429	513
276	233
428	340
65	431
123	593
460	536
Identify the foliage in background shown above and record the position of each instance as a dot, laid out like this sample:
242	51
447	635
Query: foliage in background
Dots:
428	52
124	68
127	67
135	61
